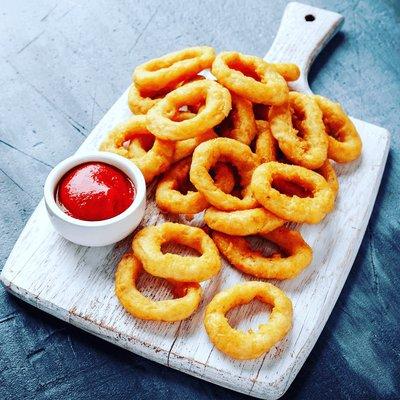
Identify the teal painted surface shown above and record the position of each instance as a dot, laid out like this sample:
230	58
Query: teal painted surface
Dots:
63	64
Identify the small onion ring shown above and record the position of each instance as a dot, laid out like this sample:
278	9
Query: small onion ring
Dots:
187	301
265	144
217	106
152	162
170	199
259	82
310	150
240	123
147	247
173	68
297	254
292	208
242	222
344	141
206	155
247	345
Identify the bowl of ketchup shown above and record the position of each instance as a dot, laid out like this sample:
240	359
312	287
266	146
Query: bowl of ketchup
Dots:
95	199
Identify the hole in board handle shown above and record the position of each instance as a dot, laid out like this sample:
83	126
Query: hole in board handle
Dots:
309	18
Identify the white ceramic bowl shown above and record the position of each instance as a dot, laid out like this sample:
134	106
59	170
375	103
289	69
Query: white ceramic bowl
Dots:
96	233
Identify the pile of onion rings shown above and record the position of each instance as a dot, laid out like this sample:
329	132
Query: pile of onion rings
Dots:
248	156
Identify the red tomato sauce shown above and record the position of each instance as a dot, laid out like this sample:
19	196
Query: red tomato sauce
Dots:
94	191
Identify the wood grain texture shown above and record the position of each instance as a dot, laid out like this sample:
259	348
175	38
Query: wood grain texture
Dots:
70	74
42	262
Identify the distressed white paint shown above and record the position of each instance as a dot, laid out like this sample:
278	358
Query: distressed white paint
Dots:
76	283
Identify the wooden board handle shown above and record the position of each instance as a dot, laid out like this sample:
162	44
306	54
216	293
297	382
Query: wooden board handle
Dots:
303	32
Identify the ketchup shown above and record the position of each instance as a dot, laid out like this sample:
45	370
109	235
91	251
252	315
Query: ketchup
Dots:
94	191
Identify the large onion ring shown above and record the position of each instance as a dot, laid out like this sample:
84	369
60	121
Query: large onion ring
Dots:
311	149
242	222
170	199
240	123
173	68
297	254
247	345
206	155
250	77
344	141
217	106
296	209
151	162
147	247
128	271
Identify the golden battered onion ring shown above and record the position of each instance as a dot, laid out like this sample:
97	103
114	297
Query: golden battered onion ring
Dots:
151	162
173	68
329	173
297	254
265	145
147	247
344	141
185	148
240	123
311	148
289	72
170	199
247	345
296	209
250	77
217	106
128	271
242	222
206	155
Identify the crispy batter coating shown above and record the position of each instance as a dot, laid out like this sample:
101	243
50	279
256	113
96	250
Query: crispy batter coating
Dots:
187	301
170	199
151	161
310	209
217	104
206	155
240	123
344	141
300	131
294	255
265	145
147	247
242	222
250	77
248	345
173	68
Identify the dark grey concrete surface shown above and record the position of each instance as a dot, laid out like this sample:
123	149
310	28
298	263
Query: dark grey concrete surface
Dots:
64	63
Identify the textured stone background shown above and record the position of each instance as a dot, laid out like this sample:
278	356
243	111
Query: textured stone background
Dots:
64	63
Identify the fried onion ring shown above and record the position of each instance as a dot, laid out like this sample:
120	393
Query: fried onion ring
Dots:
147	247
300	131
296	254
292	208
170	199
206	155
187	301
247	345
242	222
344	141
265	145
151	162
250	77
240	123
173	68
217	106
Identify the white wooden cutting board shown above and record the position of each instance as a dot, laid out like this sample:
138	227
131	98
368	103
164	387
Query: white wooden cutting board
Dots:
76	283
